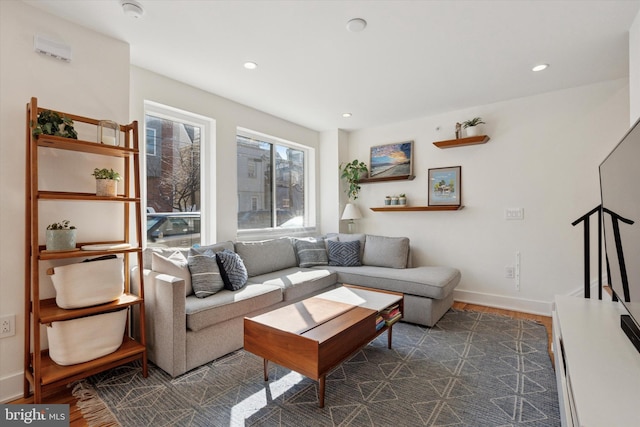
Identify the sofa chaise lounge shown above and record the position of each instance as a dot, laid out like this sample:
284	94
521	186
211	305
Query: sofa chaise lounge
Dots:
184	331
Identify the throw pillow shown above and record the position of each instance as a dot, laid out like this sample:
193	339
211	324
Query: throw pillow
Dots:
383	251
232	269
311	253
175	265
345	254
205	274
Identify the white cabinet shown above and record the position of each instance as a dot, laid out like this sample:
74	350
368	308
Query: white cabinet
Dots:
597	367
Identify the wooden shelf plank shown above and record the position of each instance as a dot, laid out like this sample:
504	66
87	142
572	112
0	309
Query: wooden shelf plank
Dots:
52	373
416	208
79	253
65	195
62	143
50	312
387	178
472	140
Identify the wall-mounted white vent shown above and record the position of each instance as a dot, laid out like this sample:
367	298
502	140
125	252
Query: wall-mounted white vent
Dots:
52	48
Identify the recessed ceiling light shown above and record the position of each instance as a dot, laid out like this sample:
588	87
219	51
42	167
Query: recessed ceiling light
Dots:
346	115
540	67
250	65
132	8
356	25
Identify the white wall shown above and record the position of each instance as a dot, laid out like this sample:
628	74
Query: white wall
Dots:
634	70
543	156
94	84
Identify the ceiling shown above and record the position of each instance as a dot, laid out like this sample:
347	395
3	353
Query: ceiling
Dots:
414	59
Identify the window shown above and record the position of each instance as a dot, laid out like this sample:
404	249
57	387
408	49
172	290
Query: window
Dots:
174	152
271	182
151	142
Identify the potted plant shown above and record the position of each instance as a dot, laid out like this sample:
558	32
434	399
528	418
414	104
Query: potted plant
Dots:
106	182
394	200
387	200
61	236
402	199
52	123
352	172
472	126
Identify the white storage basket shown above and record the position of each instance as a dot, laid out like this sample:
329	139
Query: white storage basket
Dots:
87	338
88	283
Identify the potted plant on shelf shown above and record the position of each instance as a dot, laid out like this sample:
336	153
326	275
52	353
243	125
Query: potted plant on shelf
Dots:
394	200
52	123
402	199
352	172
61	236
387	200
473	126
106	182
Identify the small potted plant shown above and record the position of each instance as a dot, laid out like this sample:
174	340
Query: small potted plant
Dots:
387	200
402	199
106	182
61	236
51	123
473	126
394	200
352	172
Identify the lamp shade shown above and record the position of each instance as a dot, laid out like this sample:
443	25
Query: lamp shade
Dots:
351	211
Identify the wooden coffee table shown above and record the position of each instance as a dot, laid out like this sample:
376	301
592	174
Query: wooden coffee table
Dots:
317	334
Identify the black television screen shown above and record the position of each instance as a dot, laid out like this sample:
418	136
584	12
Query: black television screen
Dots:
620	192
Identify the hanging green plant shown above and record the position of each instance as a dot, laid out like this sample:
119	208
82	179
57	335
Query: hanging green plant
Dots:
352	172
52	123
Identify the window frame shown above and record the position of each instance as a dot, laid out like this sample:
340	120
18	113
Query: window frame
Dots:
207	163
309	188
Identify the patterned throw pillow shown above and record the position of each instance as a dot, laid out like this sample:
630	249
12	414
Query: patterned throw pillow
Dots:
311	253
345	254
205	274
232	269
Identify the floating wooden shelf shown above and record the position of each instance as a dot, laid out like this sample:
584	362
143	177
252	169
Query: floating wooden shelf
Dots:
472	140
416	208
387	178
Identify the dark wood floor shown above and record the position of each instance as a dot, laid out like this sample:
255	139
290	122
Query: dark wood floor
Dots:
76	420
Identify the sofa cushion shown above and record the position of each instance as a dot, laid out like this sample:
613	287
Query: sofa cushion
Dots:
430	282
384	251
298	282
227	304
147	254
345	254
205	274
311	253
346	237
175	265
265	256
232	270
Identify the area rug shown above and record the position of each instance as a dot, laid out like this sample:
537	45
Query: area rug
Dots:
471	369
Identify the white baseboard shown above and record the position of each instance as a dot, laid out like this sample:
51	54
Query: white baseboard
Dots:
506	303
11	387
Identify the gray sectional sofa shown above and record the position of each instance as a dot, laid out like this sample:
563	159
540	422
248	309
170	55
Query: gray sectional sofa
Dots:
184	331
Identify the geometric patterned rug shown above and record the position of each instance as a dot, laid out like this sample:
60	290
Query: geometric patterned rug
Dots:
470	369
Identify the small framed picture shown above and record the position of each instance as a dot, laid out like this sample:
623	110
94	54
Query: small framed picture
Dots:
391	160
445	186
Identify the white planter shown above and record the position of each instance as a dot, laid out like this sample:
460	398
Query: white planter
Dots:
61	240
88	283
474	131
402	201
106	187
80	340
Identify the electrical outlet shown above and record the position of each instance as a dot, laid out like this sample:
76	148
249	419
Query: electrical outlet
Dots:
509	272
7	326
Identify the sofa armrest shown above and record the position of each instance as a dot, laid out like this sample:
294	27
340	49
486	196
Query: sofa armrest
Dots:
166	321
